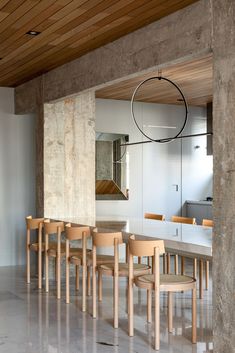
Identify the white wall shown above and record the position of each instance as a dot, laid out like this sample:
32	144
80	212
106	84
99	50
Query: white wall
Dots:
155	169
17	178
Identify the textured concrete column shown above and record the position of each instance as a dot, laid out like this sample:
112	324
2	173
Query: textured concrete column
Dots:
69	157
224	176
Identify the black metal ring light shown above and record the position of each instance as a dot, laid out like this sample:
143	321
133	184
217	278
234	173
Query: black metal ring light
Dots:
183	99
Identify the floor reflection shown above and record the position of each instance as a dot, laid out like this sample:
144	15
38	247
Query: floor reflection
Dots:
36	322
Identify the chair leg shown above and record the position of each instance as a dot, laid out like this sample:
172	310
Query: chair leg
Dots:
130	309
67	282
100	286
39	269
149	305
176	258
182	265
170	311
194	315
157	320
28	264
84	267
56	273
58	277
207	275
88	281
201	280
94	291
168	263
115	301
195	268
164	263
77	277
47	271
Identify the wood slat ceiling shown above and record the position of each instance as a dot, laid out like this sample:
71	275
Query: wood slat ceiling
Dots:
69	29
194	78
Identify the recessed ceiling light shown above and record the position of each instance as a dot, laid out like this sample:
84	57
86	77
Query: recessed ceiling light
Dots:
33	33
180	100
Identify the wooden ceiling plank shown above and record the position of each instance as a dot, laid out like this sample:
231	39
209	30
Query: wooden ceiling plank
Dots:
88	14
11	6
131	25
78	29
3	15
3	3
43	38
52	51
30	21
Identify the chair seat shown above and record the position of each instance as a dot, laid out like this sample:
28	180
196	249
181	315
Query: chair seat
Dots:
35	246
100	259
73	251
76	260
139	269
167	282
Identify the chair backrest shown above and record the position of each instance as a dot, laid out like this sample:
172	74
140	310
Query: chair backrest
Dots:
76	233
158	217
106	239
186	220
53	227
207	222
33	223
145	247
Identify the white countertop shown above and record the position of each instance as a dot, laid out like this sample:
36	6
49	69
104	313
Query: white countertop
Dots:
200	202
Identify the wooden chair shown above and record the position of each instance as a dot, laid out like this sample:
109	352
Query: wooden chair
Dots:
38	246
115	269
51	251
207	223
77	233
186	220
158	217
156	282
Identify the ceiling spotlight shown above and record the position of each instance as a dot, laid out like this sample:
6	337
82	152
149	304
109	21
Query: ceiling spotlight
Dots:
33	33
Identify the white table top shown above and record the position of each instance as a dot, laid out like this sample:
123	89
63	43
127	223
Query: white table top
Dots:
183	239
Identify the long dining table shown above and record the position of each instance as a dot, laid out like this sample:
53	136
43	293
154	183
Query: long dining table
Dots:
191	241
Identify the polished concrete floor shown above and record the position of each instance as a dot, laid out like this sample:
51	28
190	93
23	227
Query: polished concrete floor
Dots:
32	321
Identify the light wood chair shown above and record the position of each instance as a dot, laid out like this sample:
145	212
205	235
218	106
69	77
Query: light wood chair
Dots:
114	270
207	223
38	246
158	217
186	220
55	228
156	282
77	233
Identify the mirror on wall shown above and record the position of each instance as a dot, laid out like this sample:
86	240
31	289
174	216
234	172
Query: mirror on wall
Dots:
112	167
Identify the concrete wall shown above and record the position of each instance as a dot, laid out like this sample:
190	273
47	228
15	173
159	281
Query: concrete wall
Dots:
17	178
224	176
69	157
162	176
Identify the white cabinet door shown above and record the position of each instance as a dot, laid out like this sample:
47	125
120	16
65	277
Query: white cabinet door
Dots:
162	187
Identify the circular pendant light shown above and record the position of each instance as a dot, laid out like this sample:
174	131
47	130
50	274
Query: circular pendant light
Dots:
168	139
